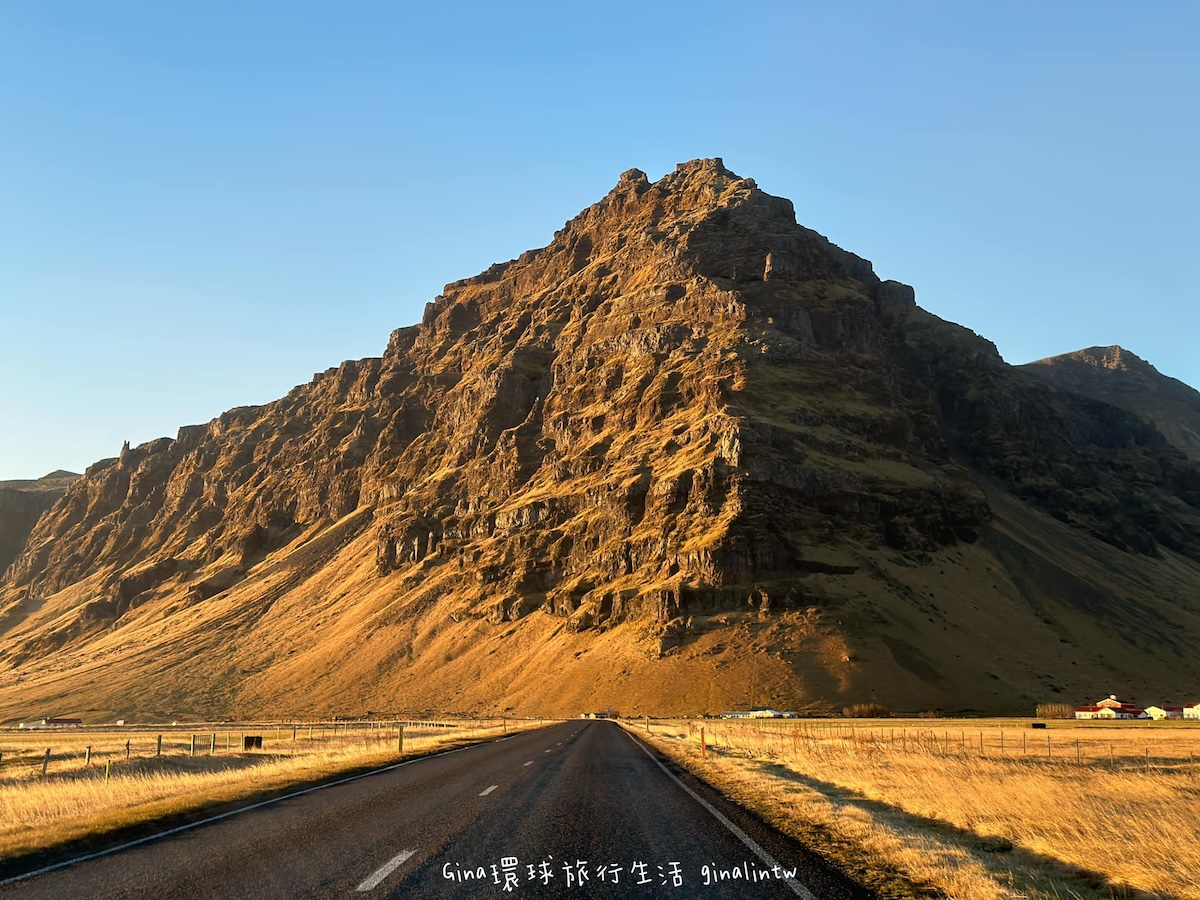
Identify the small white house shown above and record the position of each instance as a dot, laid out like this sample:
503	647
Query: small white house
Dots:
1164	712
1192	712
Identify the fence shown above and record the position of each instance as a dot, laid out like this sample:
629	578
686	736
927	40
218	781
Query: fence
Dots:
1018	745
42	753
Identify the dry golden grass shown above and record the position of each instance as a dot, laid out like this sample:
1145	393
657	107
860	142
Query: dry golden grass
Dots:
75	801
920	798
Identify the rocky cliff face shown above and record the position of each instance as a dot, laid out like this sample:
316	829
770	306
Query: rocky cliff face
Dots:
1114	375
687	434
22	504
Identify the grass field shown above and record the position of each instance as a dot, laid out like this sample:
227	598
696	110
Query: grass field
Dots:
124	780
978	809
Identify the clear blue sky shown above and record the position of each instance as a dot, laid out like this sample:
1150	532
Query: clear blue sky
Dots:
203	204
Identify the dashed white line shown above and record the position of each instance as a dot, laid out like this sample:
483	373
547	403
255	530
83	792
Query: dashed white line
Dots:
385	870
545	751
487	791
530	763
137	842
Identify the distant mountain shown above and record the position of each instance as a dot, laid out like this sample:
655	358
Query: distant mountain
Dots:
1114	375
22	504
690	456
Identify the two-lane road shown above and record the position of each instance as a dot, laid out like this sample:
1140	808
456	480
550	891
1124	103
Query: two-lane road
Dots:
576	809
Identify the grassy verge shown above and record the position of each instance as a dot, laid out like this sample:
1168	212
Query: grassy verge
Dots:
79	806
930	808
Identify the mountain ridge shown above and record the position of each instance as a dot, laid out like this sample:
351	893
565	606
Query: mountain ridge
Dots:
22	502
687	438
1115	375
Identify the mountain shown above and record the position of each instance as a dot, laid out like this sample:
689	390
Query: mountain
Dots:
1114	375
22	504
689	456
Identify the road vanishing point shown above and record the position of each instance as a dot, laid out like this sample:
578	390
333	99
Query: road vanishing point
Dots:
576	809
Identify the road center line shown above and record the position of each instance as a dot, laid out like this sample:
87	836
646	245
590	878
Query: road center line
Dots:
545	751
797	888
385	870
530	763
487	791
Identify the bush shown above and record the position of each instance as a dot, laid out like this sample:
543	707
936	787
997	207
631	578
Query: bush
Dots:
866	711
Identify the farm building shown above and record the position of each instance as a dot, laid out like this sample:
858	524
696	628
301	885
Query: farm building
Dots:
1110	708
1164	712
1192	712
51	722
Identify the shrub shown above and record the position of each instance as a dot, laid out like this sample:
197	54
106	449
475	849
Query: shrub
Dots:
866	711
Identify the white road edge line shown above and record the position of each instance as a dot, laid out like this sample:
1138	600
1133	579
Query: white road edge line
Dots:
530	763
385	870
797	888
487	791
225	815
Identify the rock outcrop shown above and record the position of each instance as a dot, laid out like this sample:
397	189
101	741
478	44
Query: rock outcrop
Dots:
687	433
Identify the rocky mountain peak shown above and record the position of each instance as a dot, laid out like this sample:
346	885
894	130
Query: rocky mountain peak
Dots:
1117	376
1114	358
685	433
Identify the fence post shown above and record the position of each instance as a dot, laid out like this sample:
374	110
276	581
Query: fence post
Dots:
158	751
87	758
293	734
981	743
212	744
1078	760
127	749
1112	763
1147	759
400	739
1048	754
45	762
703	744
107	769
192	747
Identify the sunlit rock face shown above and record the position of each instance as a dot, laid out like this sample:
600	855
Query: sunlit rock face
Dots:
685	406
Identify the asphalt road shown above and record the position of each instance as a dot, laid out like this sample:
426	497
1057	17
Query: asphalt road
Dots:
579	809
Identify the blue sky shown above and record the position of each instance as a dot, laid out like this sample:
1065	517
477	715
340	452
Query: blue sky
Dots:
202	205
